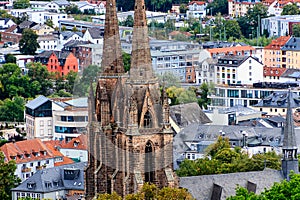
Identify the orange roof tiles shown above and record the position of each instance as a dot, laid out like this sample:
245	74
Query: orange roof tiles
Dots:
231	49
197	2
278	43
79	142
66	161
57	153
273	71
26	151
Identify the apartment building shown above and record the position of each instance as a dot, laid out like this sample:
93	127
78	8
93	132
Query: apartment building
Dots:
239	8
196	10
234	50
238	70
273	53
246	95
291	53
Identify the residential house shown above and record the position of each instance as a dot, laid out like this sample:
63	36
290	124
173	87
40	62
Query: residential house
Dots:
276	103
235	50
59	62
196	10
38	5
47	42
85	7
19	13
67	36
205	72
272	52
29	155
10	35
239	8
70	121
22	60
55	18
93	35
37	16
238	70
24	25
63	182
84	55
6	23
38	118
273	74
290	75
291	53
75	149
42	29
91	54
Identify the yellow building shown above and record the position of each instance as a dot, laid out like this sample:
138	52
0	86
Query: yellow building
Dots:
291	53
42	29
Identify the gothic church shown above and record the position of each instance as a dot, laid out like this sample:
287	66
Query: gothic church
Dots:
130	139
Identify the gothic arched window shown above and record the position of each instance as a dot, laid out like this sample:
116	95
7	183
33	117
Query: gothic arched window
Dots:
147	120
149	163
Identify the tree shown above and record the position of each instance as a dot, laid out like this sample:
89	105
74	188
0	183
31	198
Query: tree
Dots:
9	58
255	14
221	158
12	110
72	9
205	89
168	79
21	4
232	29
183	8
28	43
49	22
283	190
151	192
296	30
218	6
180	95
125	5
39	78
159	5
127	61
290	9
8	179
128	22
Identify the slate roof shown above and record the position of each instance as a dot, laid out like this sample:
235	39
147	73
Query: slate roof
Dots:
26	24
292	45
291	73
62	2
95	32
201	187
236	60
185	114
279	100
75	43
55	175
68	34
35	103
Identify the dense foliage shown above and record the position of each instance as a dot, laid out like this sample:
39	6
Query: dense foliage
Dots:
8	179
283	190
28	43
222	159
151	192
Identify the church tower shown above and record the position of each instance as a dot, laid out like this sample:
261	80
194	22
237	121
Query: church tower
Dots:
289	148
130	138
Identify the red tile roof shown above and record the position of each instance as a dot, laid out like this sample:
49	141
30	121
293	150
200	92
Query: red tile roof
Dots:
276	44
26	151
197	2
79	142
57	153
231	49
273	71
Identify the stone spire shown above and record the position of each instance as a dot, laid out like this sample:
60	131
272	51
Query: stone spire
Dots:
289	148
112	61
141	64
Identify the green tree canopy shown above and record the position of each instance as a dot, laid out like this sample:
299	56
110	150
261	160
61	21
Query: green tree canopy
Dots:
151	192
223	159
127	61
28	43
128	22
8	178
218	6
283	190
296	30
12	110
9	58
21	4
290	9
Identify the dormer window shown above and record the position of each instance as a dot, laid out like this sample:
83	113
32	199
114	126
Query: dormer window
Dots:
13	157
31	185
48	184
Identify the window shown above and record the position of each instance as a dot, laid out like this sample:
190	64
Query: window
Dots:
147	120
283	110
41	123
49	123
250	67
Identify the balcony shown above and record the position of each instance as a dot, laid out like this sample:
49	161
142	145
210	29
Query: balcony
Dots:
26	169
40	167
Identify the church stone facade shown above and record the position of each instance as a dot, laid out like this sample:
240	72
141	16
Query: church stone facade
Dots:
130	138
